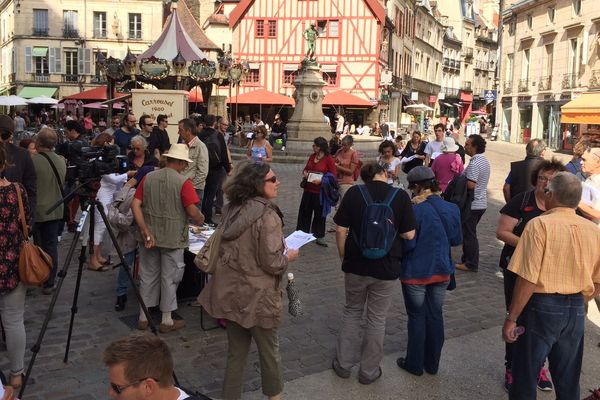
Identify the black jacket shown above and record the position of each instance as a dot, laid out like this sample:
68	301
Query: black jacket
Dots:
217	149
520	175
21	170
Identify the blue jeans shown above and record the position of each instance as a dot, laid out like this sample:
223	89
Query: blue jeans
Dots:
200	193
123	278
425	326
554	326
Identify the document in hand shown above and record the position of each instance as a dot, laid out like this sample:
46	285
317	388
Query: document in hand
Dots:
298	239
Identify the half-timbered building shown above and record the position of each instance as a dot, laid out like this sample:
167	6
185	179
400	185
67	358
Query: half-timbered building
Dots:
352	47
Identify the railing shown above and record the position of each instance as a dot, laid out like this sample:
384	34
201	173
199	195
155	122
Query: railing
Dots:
70	78
523	85
455	64
467	86
70	33
545	83
507	87
135	35
446	62
100	33
41	77
569	81
451	92
468	52
407	82
482	65
595	79
40	31
98	79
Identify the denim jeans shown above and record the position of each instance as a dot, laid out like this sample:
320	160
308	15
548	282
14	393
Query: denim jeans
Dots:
45	235
283	138
200	193
213	180
554	326
123	278
425	325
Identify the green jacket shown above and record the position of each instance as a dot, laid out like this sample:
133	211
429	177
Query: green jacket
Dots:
48	189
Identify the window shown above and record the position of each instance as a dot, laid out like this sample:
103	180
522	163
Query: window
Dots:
272	28
71	68
40	22
328	28
135	26
526	64
529	21
577	7
260	28
40	61
288	77
70	24
253	76
509	67
330	77
551	14
512	27
573	52
99	24
548	63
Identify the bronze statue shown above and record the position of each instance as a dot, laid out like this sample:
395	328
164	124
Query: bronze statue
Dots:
311	35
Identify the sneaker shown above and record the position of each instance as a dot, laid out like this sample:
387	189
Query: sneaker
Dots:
366	381
339	371
282	148
544	383
595	395
321	242
508	380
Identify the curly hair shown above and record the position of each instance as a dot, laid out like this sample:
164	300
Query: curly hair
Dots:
385	144
544	166
262	130
322	144
246	182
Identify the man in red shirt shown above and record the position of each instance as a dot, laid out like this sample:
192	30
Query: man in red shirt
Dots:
163	202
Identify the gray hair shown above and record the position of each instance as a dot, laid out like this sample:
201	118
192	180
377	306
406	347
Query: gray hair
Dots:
141	140
348	139
46	138
566	189
535	147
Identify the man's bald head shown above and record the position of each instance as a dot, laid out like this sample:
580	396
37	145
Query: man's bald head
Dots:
46	139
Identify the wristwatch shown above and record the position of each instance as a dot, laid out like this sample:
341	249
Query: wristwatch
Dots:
508	318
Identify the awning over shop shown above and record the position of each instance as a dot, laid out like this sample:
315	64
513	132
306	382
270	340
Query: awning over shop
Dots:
583	110
261	96
195	95
97	94
341	98
39	52
29	92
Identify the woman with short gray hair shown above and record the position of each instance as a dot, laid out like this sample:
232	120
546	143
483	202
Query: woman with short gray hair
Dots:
138	155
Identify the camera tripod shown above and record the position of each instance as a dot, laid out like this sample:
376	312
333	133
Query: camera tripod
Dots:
85	231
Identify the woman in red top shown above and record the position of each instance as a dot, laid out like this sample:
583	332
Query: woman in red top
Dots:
310	214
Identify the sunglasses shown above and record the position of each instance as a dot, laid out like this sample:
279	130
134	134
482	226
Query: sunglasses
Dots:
272	179
119	389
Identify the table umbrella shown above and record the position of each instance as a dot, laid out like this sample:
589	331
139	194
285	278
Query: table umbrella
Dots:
42	100
12	100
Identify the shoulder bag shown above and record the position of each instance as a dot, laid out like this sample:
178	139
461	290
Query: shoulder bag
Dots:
207	257
34	263
60	186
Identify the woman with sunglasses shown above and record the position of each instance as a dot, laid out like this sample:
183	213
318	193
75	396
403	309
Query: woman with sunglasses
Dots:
519	210
246	288
259	149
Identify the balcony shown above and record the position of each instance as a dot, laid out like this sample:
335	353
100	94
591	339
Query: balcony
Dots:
447	62
41	78
484	65
451	92
396	82
100	34
468	52
98	79
70	78
523	85
545	83
569	81
135	35
507	87
407	82
467	86
70	33
40	31
595	79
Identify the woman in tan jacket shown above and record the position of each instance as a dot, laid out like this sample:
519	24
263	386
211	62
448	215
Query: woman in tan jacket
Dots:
246	288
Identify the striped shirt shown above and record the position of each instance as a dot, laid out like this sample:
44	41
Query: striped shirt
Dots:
559	253
478	171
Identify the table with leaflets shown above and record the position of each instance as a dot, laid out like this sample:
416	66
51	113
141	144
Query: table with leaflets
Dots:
193	279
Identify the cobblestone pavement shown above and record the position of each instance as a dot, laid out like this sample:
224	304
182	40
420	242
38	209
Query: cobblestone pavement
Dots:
307	343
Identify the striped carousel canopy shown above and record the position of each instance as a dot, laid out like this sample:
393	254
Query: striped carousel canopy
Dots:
172	40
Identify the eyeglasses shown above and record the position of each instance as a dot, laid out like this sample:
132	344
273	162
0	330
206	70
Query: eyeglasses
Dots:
272	179
543	178
119	389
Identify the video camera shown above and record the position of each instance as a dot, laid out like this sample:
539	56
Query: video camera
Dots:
90	163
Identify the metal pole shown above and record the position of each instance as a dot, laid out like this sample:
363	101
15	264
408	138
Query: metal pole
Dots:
499	87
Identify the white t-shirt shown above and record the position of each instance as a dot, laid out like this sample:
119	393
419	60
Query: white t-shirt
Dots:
182	395
434	148
390	167
340	124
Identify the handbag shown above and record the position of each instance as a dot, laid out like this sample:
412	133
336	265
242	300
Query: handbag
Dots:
60	187
207	257
34	263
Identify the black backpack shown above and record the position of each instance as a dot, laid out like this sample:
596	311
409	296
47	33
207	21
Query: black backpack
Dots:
457	192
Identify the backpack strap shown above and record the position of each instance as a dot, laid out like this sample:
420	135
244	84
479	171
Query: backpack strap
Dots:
365	194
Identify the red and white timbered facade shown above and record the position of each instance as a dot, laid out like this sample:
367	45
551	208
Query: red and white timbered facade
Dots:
268	33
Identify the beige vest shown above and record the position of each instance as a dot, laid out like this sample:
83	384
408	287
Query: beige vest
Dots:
163	210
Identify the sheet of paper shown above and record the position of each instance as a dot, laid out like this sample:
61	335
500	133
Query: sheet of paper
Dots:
298	239
407	159
589	194
314	176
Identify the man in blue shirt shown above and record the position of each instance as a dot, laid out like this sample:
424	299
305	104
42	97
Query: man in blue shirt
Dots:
127	131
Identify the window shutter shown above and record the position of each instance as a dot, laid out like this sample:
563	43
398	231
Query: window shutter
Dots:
28	60
51	60
80	61
57	60
87	61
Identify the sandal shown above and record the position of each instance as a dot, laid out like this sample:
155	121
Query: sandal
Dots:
102	268
16	381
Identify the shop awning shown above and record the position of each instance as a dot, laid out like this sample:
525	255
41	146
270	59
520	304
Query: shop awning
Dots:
39	52
261	96
341	98
583	110
195	95
96	94
29	92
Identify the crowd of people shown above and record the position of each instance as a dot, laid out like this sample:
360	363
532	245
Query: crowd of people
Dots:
388	238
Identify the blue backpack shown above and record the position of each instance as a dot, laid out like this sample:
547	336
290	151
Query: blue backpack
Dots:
378	229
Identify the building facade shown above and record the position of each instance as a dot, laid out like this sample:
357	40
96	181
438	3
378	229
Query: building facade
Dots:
550	55
450	105
352	48
484	65
49	47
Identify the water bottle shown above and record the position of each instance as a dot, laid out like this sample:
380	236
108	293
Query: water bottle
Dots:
295	306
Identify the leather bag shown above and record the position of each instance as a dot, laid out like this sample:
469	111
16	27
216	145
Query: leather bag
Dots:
207	258
34	263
